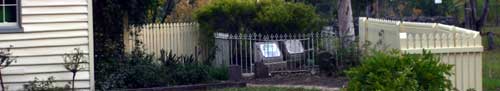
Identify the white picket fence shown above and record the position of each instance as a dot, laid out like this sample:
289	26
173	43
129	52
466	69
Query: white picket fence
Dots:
180	38
454	45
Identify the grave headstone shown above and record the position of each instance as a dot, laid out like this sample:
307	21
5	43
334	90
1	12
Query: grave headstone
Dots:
491	41
261	70
234	73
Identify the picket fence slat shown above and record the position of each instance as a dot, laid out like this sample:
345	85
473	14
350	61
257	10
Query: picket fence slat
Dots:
454	45
180	38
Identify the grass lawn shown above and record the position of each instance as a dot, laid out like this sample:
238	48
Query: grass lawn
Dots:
265	89
491	63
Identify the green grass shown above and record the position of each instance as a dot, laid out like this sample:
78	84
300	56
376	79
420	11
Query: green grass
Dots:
491	62
265	89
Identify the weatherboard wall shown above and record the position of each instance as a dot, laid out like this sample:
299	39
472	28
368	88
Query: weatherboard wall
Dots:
51	28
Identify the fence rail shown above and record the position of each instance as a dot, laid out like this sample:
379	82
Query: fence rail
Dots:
239	49
180	38
454	45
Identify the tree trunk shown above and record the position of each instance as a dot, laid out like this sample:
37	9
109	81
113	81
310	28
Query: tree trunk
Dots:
73	82
497	14
467	19
480	23
345	23
471	19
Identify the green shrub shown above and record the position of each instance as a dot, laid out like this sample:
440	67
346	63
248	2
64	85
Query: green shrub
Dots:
189	74
47	85
141	70
137	70
396	72
218	73
266	16
277	16
187	70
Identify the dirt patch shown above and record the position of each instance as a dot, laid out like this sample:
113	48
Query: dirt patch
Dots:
301	79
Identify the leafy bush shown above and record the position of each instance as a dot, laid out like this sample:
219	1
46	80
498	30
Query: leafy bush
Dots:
47	85
141	70
138	70
187	70
190	74
276	16
395	72
266	16
218	73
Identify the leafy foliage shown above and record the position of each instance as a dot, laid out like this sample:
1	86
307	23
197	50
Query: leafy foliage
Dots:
47	85
137	70
218	73
187	70
266	16
324	8
141	70
395	72
276	16
429	8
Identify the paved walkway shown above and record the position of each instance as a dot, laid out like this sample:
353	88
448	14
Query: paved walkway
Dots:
322	88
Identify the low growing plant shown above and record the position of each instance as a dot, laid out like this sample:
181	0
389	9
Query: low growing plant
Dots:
44	85
73	62
218	73
395	72
187	70
141	70
5	60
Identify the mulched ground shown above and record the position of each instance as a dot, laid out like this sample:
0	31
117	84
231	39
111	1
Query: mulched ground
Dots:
306	79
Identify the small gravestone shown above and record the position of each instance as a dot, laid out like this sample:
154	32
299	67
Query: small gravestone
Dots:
491	42
261	70
269	54
234	73
438	1
294	54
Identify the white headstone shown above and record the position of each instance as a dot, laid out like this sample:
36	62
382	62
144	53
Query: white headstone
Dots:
438	1
294	46
270	50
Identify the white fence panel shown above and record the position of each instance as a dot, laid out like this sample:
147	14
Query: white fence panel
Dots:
180	38
454	45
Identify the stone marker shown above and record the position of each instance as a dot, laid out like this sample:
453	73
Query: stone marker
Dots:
234	73
491	42
261	70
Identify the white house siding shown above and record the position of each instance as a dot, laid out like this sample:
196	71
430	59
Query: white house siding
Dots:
51	28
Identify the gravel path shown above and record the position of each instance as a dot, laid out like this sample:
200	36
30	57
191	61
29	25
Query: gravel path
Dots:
322	88
305	80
